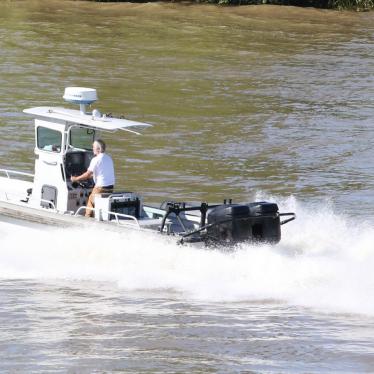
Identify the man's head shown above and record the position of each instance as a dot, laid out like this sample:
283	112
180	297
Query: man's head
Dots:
98	146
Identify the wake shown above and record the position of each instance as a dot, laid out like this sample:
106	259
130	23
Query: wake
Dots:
323	261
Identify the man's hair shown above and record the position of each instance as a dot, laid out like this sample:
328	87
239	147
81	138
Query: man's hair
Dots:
100	145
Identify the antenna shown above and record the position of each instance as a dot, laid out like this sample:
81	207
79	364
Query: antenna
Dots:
80	95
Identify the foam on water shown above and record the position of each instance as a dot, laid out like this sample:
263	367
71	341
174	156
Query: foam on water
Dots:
324	261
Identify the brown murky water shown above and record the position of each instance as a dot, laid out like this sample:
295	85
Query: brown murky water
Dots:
245	99
269	101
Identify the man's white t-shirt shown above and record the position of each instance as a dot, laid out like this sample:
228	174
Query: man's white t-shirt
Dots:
103	170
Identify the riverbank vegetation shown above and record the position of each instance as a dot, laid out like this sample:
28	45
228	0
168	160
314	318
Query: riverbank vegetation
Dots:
358	5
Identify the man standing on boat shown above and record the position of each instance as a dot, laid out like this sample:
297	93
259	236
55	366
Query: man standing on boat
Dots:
101	169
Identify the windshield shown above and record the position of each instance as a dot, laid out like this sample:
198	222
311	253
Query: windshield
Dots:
49	139
81	137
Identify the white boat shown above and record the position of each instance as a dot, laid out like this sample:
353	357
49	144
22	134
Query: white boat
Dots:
63	148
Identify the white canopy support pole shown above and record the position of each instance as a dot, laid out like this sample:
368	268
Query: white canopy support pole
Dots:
132	131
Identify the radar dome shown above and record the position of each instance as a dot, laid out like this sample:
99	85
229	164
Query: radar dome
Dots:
80	95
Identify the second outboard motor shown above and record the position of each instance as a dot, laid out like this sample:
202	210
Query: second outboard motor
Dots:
254	222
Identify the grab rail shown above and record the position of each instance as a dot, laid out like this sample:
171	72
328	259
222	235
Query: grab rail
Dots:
48	202
115	214
124	216
9	172
293	216
81	208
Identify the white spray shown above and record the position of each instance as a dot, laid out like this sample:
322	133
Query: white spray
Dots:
324	261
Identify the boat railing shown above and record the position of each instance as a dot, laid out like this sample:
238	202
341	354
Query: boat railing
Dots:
49	202
8	173
126	216
18	196
115	214
83	208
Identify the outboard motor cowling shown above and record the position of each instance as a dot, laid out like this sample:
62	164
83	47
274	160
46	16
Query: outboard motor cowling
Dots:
254	222
265	222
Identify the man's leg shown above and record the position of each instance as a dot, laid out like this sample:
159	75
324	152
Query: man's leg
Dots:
91	199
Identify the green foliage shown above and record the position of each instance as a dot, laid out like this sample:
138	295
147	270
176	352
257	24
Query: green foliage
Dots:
359	5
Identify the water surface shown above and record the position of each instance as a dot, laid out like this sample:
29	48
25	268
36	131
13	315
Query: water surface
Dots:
252	102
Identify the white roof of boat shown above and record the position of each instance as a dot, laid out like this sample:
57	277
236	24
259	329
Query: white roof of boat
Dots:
75	116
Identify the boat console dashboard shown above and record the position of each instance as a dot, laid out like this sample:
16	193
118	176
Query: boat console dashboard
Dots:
77	162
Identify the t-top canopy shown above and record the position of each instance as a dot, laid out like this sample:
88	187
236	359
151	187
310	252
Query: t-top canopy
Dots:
95	121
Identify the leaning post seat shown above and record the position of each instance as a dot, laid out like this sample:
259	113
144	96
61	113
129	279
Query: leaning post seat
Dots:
127	203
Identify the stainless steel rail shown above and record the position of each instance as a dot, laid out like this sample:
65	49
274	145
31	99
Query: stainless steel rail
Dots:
11	172
116	215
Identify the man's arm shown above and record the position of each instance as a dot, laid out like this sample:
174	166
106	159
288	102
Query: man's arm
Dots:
86	175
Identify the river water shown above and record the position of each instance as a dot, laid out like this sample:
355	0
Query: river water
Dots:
248	103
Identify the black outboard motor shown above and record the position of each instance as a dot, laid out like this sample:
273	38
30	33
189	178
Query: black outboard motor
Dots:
254	222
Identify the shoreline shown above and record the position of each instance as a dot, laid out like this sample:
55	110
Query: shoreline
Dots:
350	5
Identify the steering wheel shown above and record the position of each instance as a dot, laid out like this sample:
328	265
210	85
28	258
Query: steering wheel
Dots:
83	184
